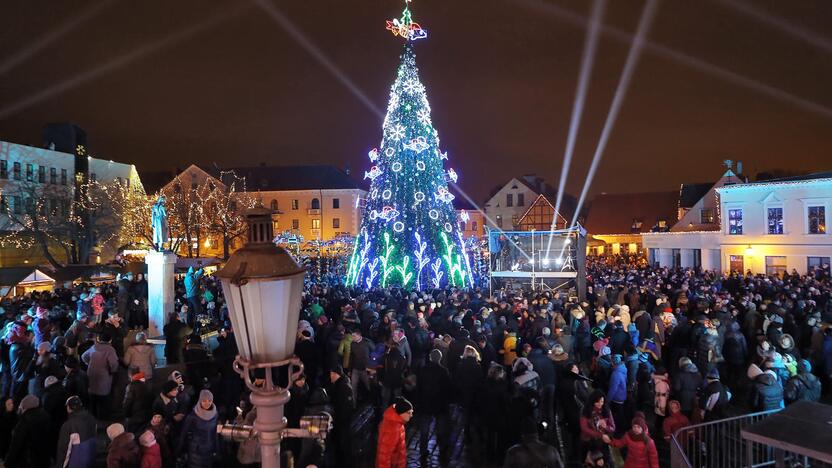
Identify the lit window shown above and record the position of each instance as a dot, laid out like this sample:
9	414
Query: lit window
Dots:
274	205
817	220
316	224
295	224
735	222
295	205
336	223
775	221
706	216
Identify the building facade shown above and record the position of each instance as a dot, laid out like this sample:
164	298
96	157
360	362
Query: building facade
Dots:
765	227
616	222
508	204
47	179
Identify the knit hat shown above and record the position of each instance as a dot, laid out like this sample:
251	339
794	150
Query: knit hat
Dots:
598	345
147	439
639	421
49	381
169	386
713	374
605	351
206	395
804	365
28	402
558	354
401	405
114	430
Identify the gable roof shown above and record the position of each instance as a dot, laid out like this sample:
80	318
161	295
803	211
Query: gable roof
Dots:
690	194
614	213
542	200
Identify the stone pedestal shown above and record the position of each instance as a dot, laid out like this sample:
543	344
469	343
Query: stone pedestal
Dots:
160	289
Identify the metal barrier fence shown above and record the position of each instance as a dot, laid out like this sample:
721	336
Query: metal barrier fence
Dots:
718	444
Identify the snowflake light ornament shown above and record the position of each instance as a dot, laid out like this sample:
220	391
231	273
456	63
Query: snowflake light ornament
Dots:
397	132
423	116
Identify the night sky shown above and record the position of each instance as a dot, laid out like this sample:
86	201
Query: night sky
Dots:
232	87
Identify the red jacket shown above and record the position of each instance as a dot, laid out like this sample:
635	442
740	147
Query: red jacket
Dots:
151	457
392	449
639	453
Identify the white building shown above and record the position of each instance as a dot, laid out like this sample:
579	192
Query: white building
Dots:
764	227
509	202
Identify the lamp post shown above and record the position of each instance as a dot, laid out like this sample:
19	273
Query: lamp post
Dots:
262	285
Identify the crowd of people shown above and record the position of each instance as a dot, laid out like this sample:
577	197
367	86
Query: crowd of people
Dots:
518	379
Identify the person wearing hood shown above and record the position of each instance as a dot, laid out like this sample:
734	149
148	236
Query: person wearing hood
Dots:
803	386
674	421
198	437
142	355
531	452
26	446
124	451
686	384
151	452
524	376
392	448
735	351
641	450
767	393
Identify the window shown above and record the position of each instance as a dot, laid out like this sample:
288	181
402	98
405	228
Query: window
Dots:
295	224
521	199
499	221
816	262
775	220
462	225
817	219
42	174
735	222
336	223
30	173
316	204
474	226
53	176
775	265
63	176
294	205
509	199
336	203
16	206
706	216
4	169
316	224
16	171
273	205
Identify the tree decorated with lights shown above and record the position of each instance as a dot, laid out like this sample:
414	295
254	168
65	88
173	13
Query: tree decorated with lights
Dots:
409	234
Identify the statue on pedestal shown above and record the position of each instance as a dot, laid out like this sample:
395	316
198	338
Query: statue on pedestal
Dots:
160	224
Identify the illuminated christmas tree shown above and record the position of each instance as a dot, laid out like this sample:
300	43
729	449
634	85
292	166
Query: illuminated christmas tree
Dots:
409	235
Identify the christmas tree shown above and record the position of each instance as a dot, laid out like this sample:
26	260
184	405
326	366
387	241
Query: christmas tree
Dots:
409	234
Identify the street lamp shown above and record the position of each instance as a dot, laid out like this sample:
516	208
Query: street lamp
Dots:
262	285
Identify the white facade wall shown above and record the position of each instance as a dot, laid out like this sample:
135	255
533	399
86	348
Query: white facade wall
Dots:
496	209
755	248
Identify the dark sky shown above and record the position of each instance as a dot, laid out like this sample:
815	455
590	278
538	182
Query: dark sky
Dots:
500	75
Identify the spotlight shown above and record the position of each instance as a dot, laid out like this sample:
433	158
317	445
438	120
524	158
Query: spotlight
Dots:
544	262
558	261
568	241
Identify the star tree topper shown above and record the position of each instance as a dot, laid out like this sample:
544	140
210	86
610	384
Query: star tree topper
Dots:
405	28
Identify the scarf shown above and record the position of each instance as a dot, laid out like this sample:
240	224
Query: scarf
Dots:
205	414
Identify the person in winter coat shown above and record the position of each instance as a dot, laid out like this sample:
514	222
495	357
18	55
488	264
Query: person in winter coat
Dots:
661	389
674	421
77	439
41	367
41	326
137	401
767	393
8	420
161	432
546	370
686	385
175	332
468	378
21	354
26	446
392	448
141	355
596	424
641	450
198	437
494	395
167	403
76	381
102	363
804	385
735	351
197	363
714	398
433	402
392	379
151	454
531	452
192	293
123	451
617	393
524	376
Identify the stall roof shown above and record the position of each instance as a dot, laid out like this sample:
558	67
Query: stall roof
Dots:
12	276
74	272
